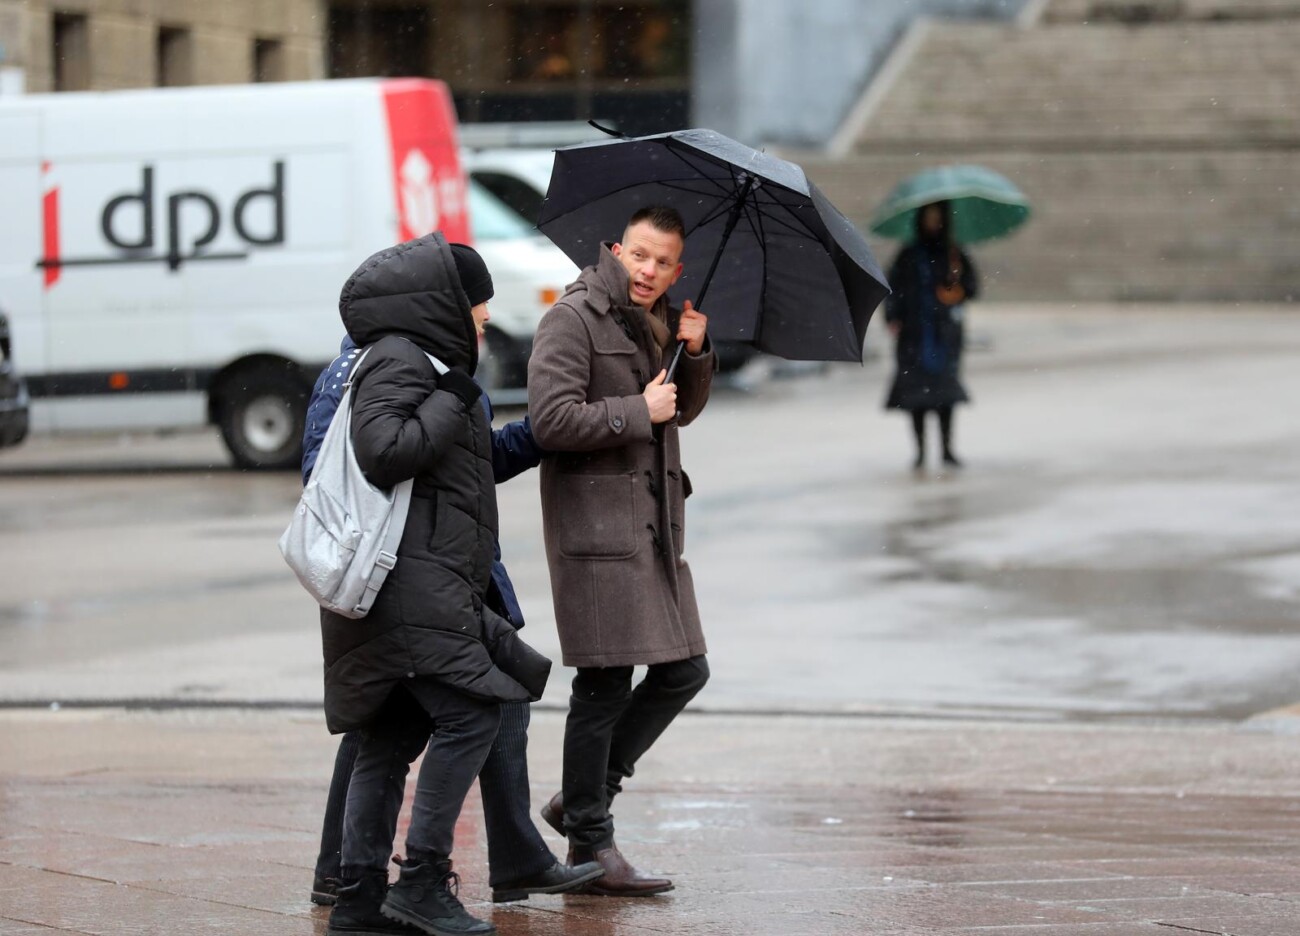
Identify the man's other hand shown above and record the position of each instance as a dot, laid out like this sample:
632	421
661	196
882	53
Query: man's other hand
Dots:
661	399
692	327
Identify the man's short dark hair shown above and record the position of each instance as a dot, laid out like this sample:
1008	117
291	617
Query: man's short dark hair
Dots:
661	218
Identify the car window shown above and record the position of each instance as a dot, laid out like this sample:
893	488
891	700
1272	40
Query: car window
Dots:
514	191
491	219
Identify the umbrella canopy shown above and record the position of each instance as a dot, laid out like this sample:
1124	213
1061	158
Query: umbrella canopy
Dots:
984	204
782	268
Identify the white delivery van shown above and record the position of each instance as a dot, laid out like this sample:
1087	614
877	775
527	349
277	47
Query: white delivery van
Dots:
174	257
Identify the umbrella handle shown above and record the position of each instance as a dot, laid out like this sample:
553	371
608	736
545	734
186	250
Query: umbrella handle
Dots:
677	356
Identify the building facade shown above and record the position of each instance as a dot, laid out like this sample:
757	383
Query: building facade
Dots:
781	71
100	45
627	62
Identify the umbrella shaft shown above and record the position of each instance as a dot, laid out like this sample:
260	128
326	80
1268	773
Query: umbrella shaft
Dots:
732	220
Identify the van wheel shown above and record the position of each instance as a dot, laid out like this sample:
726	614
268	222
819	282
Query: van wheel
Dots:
262	412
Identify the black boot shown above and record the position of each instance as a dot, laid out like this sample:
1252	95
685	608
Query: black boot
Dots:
425	897
356	909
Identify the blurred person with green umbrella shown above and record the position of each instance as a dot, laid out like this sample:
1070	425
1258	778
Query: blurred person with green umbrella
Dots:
932	279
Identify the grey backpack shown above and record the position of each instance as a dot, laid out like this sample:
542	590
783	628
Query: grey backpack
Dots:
342	540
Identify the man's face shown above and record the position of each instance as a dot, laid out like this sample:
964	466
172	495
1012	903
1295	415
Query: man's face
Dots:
652	259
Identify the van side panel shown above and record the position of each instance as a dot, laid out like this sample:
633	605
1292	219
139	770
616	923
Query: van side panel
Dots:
109	309
428	181
156	238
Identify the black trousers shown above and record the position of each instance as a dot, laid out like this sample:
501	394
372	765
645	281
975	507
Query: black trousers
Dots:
456	733
515	847
945	429
610	726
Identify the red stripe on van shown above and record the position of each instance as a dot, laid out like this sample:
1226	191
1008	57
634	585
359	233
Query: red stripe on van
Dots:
50	213
428	182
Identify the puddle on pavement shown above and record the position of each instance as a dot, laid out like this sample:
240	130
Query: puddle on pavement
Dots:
93	501
1078	611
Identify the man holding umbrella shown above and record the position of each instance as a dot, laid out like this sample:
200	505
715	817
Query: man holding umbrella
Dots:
791	276
613	507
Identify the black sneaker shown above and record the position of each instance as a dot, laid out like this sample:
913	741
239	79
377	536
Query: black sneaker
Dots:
425	897
324	891
356	909
557	879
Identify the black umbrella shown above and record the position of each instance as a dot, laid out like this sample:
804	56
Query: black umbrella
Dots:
784	270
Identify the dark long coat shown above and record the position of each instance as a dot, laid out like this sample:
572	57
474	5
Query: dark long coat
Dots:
931	338
613	500
429	622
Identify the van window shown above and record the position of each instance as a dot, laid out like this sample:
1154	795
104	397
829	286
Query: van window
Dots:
491	219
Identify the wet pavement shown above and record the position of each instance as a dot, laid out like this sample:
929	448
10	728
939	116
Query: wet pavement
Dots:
1122	542
206	822
1052	693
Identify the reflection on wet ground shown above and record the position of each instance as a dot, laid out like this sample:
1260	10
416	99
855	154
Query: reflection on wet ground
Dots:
207	823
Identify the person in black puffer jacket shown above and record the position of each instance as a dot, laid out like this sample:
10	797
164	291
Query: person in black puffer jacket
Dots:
430	664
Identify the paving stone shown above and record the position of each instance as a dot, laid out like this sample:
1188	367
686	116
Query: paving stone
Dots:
89	854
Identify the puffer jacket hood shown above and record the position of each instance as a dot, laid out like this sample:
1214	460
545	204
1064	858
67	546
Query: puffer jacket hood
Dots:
412	290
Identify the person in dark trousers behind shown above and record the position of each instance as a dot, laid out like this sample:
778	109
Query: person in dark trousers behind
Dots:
519	861
613	511
427	669
931	279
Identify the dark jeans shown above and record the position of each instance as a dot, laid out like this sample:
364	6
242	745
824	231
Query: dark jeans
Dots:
458	732
610	726
515	848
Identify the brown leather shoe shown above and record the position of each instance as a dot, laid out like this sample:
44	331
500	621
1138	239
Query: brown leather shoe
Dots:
553	813
620	878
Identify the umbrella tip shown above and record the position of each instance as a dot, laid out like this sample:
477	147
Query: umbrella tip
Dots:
612	132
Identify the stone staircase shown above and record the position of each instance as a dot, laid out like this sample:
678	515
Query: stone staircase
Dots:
1150	11
1161	154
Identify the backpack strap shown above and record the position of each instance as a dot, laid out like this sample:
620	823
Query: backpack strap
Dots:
387	557
439	368
356	365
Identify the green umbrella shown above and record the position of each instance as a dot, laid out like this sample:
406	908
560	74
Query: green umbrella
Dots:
984	204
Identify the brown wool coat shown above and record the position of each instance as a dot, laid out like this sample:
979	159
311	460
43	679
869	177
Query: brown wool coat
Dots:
613	499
